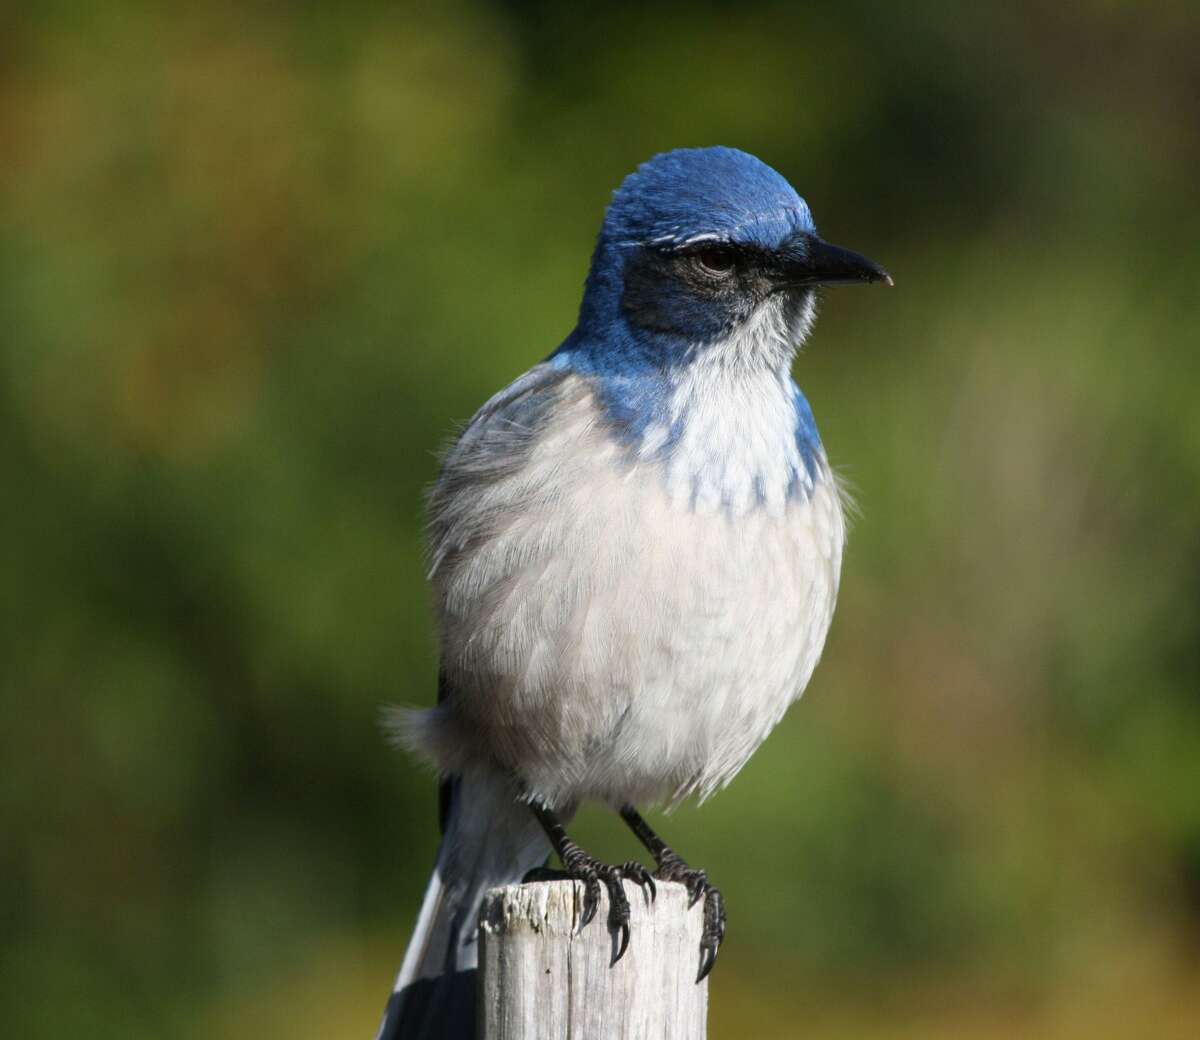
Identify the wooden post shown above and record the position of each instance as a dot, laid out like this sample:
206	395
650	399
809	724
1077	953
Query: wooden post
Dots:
541	978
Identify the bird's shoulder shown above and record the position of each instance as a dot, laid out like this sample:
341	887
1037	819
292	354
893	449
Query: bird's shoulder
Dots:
502	434
511	463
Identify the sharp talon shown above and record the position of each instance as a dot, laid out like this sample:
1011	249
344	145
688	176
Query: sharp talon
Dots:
594	895
618	904
641	877
713	932
618	910
591	899
592	873
670	867
622	940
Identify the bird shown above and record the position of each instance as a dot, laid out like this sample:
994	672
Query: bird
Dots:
634	553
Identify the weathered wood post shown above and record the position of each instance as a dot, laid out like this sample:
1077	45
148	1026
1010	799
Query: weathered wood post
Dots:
541	978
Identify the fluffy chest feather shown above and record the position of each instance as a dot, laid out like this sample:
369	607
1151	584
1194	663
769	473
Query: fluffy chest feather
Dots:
627	624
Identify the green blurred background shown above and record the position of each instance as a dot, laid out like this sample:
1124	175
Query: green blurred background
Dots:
256	262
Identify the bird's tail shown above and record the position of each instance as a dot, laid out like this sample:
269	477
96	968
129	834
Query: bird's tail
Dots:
488	839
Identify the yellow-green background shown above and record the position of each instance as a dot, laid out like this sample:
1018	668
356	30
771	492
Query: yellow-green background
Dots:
256	262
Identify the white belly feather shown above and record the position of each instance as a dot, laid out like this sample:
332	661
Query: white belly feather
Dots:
605	635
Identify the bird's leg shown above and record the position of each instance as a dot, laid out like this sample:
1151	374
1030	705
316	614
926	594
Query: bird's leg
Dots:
579	866
671	867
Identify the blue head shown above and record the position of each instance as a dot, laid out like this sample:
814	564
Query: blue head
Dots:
698	242
708	254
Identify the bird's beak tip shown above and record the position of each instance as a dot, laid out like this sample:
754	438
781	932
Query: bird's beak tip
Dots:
888	280
818	262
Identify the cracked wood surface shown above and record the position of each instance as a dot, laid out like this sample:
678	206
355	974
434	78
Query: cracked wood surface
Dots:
541	978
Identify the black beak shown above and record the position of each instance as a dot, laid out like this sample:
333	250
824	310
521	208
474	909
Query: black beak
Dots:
808	260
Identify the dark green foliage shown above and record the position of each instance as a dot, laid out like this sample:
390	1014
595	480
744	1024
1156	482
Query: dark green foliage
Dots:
255	265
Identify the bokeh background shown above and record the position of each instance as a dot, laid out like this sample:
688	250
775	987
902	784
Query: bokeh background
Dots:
257	261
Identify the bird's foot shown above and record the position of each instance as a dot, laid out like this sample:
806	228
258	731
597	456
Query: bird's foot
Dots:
672	868
579	866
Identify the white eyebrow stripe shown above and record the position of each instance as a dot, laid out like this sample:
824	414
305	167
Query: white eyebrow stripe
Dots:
679	243
671	238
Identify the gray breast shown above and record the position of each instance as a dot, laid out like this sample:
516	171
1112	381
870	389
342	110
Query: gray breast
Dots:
600	638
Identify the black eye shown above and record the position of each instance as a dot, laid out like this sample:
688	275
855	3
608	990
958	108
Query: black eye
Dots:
715	259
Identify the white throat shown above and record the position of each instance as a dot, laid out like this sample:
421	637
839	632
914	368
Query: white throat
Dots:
729	442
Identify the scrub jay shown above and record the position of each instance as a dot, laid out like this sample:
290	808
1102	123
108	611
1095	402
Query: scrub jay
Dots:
634	551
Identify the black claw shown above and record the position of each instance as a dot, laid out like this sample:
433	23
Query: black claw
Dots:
641	877
582	867
618	904
621	940
713	932
591	898
618	909
714	922
672	868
